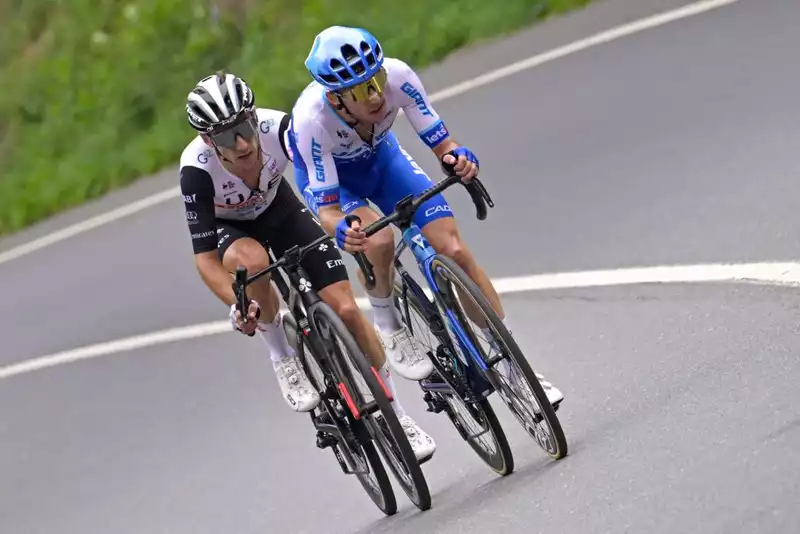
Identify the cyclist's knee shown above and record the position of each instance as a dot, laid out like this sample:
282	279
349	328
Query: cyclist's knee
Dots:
454	248
248	253
449	244
443	236
381	243
347	309
339	297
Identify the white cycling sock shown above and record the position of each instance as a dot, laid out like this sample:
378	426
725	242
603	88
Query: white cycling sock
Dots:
387	318
273	335
387	379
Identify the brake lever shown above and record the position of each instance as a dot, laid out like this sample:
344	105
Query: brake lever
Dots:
480	197
361	258
477	191
242	302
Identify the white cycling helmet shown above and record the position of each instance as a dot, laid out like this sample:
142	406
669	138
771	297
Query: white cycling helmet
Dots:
218	100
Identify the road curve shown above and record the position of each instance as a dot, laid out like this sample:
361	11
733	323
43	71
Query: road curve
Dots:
675	145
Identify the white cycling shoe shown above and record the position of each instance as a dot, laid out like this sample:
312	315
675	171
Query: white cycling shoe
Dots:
297	390
421	443
403	356
554	395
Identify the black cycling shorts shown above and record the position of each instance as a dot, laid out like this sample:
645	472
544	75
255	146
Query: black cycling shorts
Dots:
287	222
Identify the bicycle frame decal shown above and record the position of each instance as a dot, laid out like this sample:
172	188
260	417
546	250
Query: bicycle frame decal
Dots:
414	239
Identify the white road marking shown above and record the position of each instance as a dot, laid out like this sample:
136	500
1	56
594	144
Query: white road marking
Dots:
116	346
765	273
487	78
89	224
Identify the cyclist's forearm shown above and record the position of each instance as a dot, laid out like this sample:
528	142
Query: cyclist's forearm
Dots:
444	147
218	280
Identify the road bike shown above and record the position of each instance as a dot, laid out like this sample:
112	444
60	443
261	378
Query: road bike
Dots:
348	420
465	372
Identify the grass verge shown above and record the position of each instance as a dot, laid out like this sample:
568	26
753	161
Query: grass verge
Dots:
94	90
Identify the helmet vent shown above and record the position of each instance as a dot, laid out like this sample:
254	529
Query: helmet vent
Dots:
353	59
228	101
339	68
330	78
368	53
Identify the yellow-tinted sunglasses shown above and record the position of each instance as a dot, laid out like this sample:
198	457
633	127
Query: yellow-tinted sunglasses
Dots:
361	92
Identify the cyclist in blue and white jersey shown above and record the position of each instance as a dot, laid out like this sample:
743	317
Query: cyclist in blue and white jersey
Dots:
345	154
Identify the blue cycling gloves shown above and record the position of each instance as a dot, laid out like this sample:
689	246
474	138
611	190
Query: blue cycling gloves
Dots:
467	153
341	232
456	153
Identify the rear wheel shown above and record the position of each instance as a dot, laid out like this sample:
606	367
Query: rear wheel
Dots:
472	416
360	454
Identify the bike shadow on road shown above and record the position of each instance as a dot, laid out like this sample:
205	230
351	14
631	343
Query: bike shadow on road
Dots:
464	497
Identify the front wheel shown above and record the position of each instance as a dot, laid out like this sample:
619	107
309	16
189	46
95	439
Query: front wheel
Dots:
539	420
360	454
385	428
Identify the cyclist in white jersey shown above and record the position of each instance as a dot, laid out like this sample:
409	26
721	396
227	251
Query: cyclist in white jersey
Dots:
238	205
345	154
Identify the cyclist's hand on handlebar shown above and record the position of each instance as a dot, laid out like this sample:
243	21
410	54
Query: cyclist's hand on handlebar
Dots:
350	239
466	163
253	313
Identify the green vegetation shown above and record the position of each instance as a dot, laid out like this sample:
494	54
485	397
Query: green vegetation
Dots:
93	90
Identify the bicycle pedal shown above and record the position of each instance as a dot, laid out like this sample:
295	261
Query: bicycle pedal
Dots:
325	440
434	405
324	419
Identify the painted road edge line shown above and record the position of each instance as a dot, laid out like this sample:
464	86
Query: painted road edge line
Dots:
89	224
764	273
455	90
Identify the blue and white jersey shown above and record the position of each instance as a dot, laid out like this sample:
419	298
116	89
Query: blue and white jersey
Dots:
324	146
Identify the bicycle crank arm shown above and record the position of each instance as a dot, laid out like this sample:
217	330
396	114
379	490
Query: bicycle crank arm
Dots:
346	469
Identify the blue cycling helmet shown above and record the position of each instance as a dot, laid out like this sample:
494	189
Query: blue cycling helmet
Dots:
342	57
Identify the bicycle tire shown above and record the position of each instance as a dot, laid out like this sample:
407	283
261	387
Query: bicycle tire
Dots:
501	463
417	489
468	286
383	496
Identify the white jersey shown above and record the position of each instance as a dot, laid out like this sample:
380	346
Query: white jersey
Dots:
202	172
327	145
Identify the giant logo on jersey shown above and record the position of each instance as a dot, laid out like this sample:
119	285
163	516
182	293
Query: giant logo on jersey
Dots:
412	91
316	156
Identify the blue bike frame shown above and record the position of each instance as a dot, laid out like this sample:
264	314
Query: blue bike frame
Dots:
424	254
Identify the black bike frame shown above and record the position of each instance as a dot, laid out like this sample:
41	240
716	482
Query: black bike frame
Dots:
301	304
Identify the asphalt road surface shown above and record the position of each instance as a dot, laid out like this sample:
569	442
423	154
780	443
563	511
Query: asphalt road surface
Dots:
675	145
